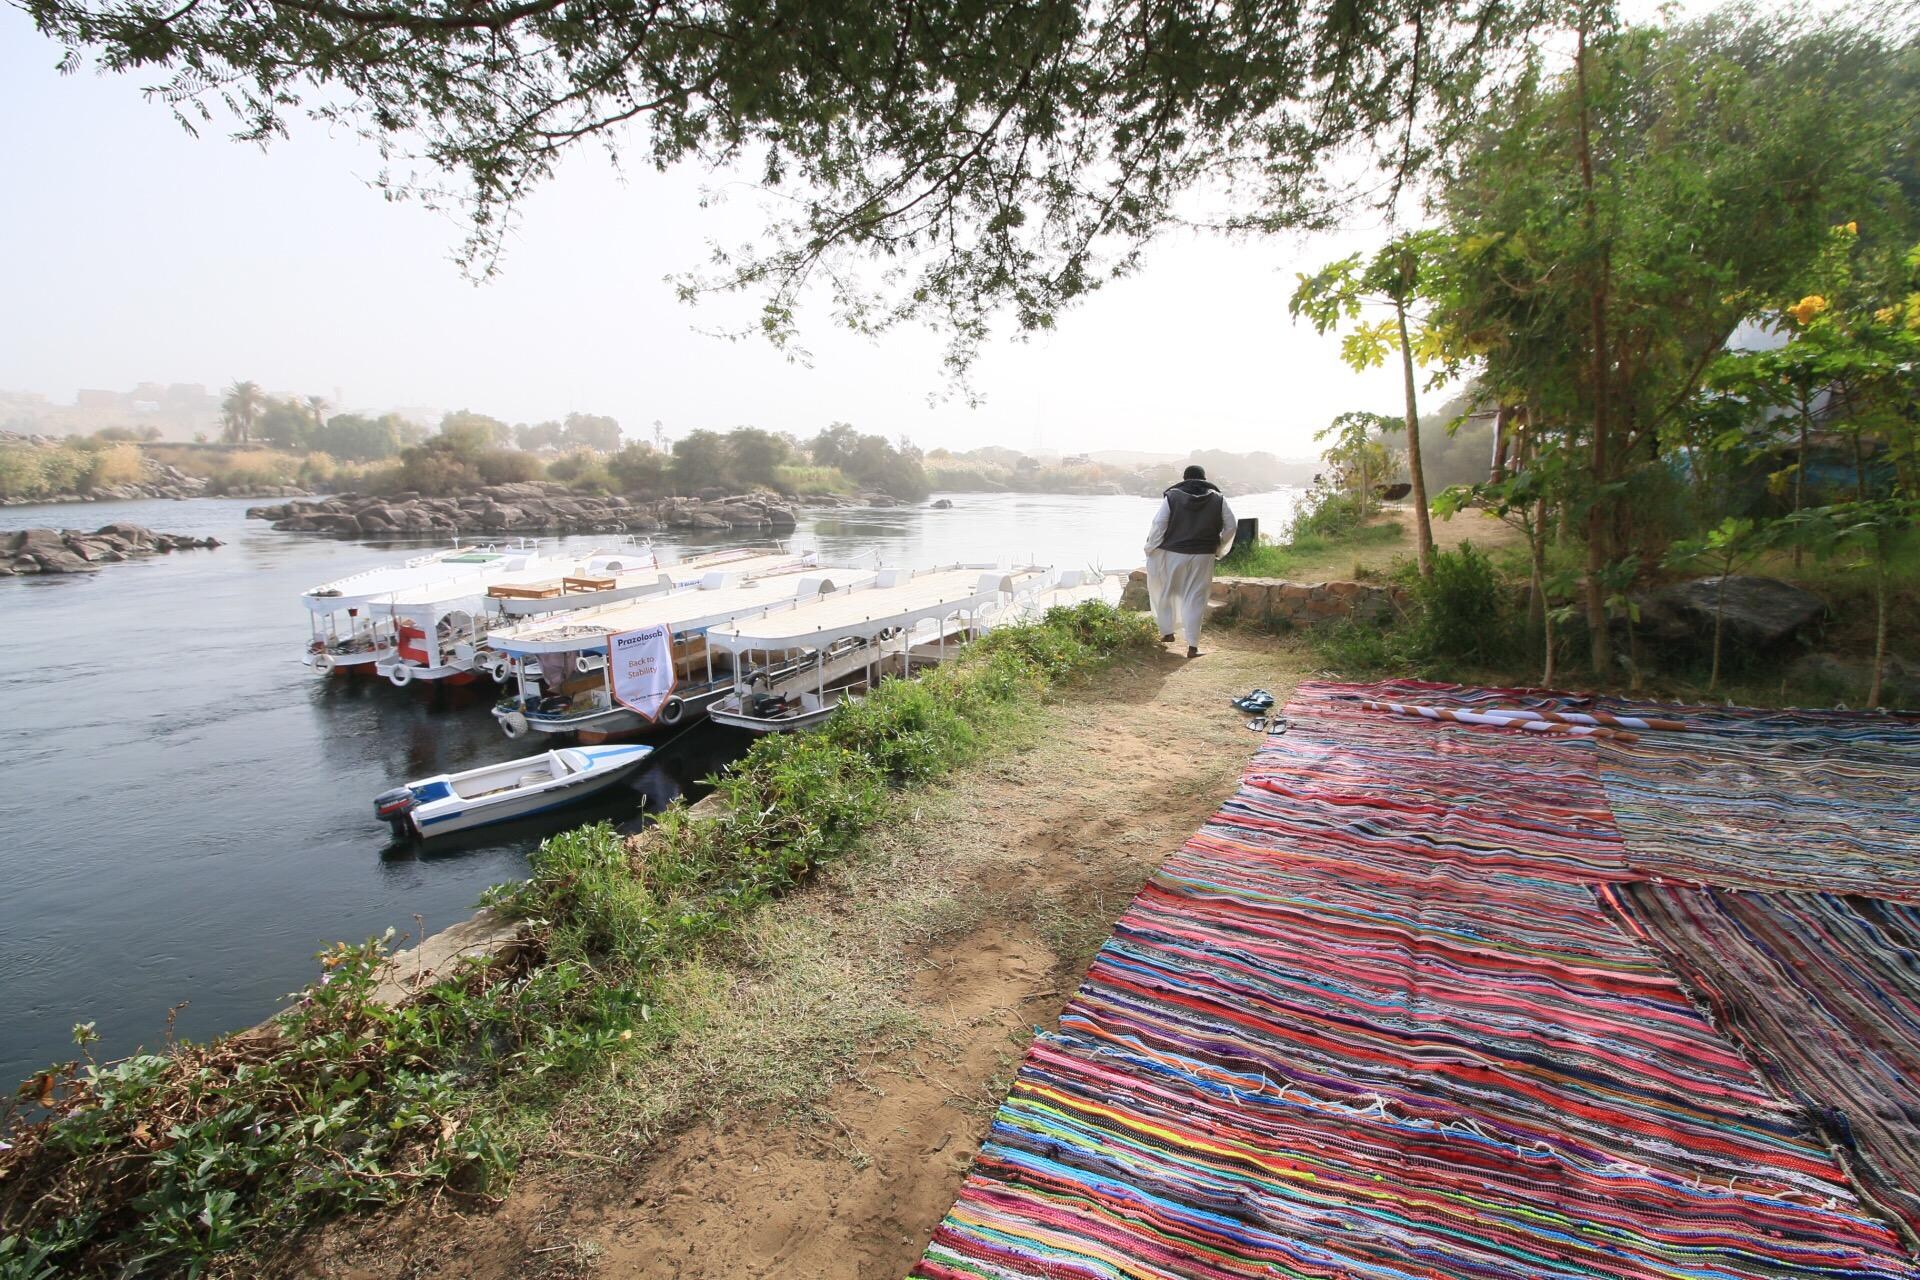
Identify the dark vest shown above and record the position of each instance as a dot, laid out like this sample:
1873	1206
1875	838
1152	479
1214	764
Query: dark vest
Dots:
1193	518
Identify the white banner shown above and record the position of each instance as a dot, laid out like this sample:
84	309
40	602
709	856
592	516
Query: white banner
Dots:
640	670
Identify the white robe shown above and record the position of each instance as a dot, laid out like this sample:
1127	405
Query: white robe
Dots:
1178	581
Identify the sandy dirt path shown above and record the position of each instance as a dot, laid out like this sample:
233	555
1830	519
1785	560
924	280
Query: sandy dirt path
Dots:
927	964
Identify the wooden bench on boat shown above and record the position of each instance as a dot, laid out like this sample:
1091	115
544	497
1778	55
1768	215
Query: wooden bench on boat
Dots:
573	583
532	591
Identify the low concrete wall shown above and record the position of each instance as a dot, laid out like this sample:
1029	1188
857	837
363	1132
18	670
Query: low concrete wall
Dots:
1281	604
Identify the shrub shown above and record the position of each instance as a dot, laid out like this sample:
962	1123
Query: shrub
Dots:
317	470
583	470
639	469
118	465
437	473
21	474
811	480
63	470
508	466
1463	613
1325	514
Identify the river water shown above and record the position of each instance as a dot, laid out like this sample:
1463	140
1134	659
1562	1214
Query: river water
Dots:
186	811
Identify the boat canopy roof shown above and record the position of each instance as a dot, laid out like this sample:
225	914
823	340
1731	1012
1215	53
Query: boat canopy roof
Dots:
893	598
721	598
441	567
755	565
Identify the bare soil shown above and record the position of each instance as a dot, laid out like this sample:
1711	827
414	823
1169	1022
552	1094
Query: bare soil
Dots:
835	1077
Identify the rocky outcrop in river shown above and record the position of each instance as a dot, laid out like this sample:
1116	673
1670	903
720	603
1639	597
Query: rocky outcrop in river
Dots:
76	551
530	508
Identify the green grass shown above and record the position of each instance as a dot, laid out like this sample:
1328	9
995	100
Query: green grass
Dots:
197	1159
1314	556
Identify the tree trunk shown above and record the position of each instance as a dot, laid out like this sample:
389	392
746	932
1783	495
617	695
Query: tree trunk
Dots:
1800	472
1539	609
1598	375
1422	522
1879	634
1719	621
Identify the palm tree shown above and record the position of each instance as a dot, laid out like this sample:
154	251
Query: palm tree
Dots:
241	411
317	407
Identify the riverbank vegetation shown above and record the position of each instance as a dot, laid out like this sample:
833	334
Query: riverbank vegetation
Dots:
82	465
1680	277
186	1161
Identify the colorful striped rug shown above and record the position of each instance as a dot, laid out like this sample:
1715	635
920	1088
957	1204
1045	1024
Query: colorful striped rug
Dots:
1371	1022
1791	800
1823	994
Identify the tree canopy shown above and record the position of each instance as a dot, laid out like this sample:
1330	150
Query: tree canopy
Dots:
991	153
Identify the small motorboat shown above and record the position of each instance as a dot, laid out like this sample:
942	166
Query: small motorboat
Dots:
502	792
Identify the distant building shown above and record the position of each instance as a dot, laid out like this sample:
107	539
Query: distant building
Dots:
178	411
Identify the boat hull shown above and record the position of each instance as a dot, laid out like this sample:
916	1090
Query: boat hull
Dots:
606	722
729	712
460	814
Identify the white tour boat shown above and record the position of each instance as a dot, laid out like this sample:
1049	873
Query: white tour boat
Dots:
349	631
558	664
1063	589
438	631
603	582
793	665
502	792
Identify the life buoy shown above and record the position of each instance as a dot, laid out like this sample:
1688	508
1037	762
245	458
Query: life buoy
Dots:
401	675
498	670
513	724
324	664
672	711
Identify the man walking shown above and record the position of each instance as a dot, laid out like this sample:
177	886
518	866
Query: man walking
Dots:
1193	528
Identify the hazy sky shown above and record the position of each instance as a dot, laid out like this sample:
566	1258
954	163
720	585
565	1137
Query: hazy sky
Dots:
130	251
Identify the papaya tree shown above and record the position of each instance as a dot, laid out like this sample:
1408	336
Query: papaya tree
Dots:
1358	454
1389	280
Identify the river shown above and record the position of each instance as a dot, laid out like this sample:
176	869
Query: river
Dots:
187	810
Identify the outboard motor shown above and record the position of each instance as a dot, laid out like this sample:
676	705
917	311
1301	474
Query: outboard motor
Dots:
393	807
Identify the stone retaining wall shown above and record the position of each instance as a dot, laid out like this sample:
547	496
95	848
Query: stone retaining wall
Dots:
1283	605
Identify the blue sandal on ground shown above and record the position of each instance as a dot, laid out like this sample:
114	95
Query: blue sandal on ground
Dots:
1257	701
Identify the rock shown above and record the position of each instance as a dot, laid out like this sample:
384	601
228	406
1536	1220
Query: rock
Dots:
1760	614
881	501
132	534
944	504
702	520
62	561
782	518
92	550
1850	679
28	542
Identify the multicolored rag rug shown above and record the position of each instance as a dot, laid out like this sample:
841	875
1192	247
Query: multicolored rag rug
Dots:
1823	993
1371	1022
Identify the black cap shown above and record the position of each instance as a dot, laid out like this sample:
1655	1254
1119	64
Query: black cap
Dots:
1195	472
